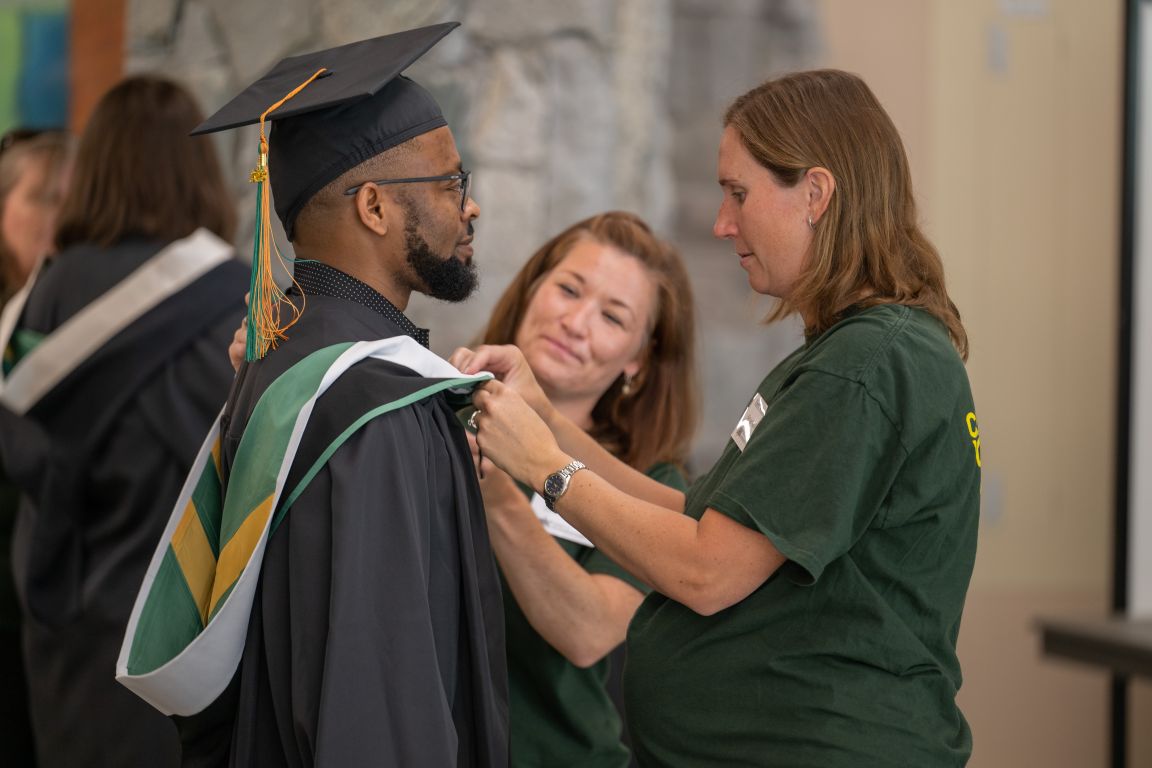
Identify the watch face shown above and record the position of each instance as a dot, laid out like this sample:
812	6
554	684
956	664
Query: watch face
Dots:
555	485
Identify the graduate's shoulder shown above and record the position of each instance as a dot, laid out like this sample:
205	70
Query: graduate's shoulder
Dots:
374	384
368	385
69	280
397	411
327	320
81	273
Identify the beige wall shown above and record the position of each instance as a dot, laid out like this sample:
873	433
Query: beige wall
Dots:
1011	114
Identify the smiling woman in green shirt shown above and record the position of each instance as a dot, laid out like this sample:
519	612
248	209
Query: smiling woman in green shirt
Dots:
806	603
603	314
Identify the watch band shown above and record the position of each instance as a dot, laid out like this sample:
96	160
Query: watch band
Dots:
556	483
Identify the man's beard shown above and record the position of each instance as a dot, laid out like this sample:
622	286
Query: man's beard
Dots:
447	279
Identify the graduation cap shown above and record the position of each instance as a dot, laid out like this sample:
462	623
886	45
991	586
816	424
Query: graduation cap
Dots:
332	109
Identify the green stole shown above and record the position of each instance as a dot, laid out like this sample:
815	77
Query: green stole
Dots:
186	633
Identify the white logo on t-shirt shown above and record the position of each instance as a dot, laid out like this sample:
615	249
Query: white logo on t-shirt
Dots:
749	421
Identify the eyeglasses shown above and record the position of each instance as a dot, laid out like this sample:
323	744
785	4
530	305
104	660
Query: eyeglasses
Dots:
464	177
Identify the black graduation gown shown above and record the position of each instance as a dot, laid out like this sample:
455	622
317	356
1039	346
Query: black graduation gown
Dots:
376	636
101	460
15	726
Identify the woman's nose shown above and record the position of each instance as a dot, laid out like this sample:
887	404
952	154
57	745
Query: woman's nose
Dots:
725	226
575	320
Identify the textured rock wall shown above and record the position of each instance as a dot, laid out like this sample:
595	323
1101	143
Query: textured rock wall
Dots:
561	109
721	50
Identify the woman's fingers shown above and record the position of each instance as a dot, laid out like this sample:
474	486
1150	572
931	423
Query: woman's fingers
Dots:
500	360
508	365
237	348
510	433
460	359
473	446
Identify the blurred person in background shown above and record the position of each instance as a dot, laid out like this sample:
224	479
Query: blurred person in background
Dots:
34	168
116	372
808	589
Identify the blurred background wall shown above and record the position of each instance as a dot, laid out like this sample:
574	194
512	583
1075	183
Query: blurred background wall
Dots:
1012	116
1011	113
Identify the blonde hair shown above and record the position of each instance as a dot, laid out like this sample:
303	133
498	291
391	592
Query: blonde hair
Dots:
867	247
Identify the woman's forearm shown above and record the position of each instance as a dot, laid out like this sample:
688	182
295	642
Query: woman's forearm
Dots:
707	564
576	442
580	614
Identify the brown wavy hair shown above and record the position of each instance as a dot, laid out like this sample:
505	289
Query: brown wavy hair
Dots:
138	172
867	247
657	420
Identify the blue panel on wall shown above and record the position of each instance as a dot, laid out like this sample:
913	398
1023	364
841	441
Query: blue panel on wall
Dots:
42	93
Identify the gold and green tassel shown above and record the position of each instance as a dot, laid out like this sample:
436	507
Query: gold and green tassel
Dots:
267	303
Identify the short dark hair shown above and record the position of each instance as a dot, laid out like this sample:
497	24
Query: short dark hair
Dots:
331	196
138	172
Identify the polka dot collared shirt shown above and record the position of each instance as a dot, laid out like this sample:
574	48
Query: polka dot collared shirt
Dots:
315	277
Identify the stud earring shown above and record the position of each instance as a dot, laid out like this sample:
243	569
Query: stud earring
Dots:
811	224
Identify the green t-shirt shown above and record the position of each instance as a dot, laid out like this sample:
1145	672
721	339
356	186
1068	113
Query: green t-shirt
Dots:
561	715
863	470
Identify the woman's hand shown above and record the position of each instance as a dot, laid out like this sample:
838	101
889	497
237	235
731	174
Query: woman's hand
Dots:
239	345
506	508
512	435
507	363
498	488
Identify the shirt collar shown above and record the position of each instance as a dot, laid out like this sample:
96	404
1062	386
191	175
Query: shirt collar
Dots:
318	278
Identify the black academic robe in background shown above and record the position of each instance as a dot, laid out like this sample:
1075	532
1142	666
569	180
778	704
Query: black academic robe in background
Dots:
101	460
15	725
376	636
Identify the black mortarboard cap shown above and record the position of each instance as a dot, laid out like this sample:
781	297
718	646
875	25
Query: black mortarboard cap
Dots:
357	108
333	110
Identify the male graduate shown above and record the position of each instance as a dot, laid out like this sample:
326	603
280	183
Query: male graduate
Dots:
375	632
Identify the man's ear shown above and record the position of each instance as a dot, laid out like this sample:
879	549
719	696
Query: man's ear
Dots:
372	208
821	184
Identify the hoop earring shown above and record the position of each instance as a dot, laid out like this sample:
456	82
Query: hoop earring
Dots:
626	390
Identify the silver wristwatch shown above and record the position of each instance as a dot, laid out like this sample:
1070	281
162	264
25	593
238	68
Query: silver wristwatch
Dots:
557	483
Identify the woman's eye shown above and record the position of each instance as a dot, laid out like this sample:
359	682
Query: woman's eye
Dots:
613	319
567	290
738	195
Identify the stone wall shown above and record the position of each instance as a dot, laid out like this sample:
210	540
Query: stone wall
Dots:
720	50
561	109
